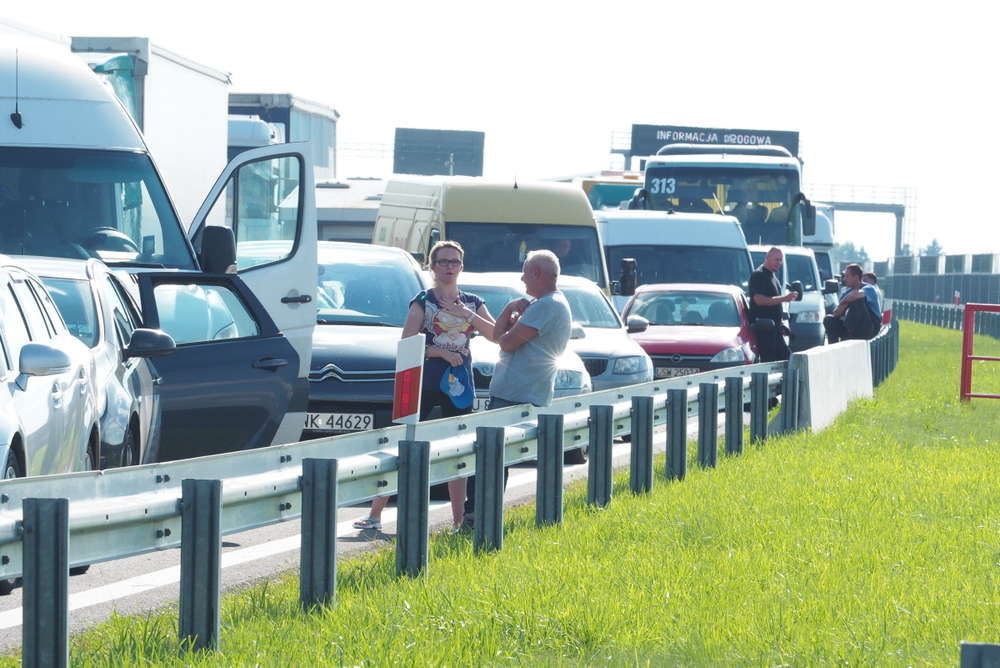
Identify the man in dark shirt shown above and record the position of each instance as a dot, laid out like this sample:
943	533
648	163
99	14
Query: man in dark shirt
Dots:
765	303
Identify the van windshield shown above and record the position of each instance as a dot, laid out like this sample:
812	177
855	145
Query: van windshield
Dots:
79	203
683	264
503	246
801	268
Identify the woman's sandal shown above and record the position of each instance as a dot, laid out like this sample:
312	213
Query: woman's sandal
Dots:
367	523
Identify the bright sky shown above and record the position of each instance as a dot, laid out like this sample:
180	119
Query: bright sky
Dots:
883	93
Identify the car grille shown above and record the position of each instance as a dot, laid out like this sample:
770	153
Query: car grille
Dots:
692	361
595	365
335	372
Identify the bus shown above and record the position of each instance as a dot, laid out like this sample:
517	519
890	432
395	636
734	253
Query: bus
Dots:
759	185
496	222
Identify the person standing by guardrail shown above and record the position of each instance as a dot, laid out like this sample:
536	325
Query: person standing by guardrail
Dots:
532	334
765	308
869	278
448	318
858	315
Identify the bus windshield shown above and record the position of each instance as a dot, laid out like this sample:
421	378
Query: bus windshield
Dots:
504	246
78	203
684	264
761	199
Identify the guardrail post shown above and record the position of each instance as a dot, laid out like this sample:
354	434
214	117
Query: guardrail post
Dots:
601	427
790	400
549	491
708	425
734	415
487	528
758	407
676	434
978	655
641	460
201	551
318	552
45	633
413	500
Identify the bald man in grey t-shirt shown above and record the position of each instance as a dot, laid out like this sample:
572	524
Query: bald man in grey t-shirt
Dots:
532	335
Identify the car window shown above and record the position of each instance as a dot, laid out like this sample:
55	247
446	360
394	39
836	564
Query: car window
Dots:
361	293
76	304
15	328
38	329
590	309
126	320
495	296
195	313
801	268
53	317
686	308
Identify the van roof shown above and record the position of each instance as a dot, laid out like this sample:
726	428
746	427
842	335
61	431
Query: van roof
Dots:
62	103
727	160
630	227
474	199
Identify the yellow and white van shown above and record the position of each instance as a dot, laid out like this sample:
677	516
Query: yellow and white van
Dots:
497	222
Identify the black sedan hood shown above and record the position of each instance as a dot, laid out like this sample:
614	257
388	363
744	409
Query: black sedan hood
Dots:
355	348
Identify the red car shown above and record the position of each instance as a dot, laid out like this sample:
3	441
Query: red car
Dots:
693	327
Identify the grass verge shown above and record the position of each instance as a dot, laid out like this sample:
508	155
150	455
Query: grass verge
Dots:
877	542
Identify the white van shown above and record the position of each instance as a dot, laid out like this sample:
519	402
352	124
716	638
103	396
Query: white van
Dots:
77	181
805	315
496	222
672	248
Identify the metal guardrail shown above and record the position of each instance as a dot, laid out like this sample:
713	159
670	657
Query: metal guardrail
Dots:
50	523
884	352
944	315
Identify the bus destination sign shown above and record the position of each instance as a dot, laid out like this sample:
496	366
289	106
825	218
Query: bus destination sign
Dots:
648	139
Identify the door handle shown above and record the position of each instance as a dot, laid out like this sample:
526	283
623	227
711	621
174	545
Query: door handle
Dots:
299	299
270	363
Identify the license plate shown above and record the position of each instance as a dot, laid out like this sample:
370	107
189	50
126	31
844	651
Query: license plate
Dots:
480	403
339	421
674	371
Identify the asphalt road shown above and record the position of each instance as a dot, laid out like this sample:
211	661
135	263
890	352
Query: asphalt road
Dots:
149	582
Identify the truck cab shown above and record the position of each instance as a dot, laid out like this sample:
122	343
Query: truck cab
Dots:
77	180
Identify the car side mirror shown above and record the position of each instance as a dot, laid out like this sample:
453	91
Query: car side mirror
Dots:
149	343
831	287
639	200
39	359
636	324
576	331
218	250
808	217
616	287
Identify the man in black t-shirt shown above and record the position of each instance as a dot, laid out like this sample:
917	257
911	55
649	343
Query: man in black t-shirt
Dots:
765	303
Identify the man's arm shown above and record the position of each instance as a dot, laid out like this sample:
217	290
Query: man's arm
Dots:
845	301
516	337
762	300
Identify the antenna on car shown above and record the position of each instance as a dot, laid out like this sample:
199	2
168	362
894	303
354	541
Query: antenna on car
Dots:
515	181
15	118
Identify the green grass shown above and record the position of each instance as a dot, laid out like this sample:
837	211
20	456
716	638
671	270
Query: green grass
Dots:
875	542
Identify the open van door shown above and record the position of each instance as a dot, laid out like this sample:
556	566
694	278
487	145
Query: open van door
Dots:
266	196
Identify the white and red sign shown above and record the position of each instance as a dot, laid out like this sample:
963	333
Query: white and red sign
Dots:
409	376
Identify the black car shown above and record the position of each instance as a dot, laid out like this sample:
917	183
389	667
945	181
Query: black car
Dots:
362	300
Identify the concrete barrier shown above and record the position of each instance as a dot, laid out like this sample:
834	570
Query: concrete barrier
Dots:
831	377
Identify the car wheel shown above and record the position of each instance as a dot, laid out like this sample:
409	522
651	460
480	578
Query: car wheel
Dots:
11	469
578	456
130	450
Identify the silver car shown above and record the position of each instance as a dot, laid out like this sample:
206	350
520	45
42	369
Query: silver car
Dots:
100	313
48	416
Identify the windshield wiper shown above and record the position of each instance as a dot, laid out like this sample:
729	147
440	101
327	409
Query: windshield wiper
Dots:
132	263
323	321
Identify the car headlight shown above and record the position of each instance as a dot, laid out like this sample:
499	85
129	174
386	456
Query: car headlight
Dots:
567	379
626	366
809	317
734	354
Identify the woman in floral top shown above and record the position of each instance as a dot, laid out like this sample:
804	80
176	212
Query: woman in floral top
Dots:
448	318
